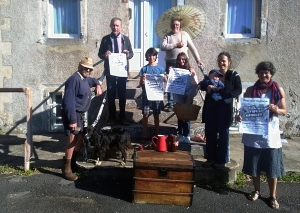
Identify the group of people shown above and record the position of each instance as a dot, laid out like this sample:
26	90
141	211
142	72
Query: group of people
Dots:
175	44
222	86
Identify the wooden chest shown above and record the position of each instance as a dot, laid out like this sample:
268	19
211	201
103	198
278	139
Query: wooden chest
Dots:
163	177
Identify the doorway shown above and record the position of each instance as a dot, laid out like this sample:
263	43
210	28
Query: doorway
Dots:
144	14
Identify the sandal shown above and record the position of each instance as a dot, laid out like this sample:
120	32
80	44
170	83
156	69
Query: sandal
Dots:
253	196
273	203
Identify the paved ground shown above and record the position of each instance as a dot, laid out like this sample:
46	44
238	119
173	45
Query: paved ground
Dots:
49	149
48	192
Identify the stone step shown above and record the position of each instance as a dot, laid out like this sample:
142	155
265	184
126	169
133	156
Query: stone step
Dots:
132	83
133	75
136	116
136	129
133	113
132	93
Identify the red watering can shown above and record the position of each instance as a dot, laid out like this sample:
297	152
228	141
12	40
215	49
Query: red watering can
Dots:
160	143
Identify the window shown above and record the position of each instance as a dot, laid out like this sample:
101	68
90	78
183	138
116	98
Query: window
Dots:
241	18
64	19
55	117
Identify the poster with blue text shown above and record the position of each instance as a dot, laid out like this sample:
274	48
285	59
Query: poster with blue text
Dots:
154	86
177	81
255	116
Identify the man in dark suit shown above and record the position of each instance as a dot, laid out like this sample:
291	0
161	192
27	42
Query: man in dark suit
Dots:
115	42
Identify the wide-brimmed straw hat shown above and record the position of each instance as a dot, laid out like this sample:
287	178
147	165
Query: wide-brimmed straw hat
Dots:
87	62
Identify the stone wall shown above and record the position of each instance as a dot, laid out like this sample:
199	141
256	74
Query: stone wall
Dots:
280	23
30	59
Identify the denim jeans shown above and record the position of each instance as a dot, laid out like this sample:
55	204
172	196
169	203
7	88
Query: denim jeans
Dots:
116	84
169	95
184	128
217	132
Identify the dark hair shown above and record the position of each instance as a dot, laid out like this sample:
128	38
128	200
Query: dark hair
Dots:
265	65
187	63
227	55
151	51
175	19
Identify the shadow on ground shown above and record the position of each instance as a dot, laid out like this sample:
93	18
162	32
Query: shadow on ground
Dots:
47	150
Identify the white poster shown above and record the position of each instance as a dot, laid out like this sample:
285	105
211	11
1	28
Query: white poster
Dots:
118	64
255	116
177	80
154	84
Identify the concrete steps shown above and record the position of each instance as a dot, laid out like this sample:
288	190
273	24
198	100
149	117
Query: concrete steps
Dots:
134	110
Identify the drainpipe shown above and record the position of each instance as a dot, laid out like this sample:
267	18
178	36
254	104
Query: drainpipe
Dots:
28	144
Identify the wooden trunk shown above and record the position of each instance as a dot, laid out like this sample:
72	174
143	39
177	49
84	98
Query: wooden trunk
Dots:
163	177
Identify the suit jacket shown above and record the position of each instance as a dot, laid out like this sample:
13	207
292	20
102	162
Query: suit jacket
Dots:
106	44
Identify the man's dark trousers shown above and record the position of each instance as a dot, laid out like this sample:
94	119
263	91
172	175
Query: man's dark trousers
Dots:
115	84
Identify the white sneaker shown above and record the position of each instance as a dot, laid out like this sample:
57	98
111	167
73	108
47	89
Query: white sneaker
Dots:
180	138
187	139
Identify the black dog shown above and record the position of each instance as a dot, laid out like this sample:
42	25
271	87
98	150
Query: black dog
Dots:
105	140
91	138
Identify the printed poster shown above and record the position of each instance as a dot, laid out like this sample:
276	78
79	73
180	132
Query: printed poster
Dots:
177	81
255	116
118	64
154	84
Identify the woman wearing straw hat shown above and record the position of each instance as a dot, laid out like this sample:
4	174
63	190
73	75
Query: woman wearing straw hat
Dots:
175	42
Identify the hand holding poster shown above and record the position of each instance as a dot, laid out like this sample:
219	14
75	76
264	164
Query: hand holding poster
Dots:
255	116
118	64
177	81
154	84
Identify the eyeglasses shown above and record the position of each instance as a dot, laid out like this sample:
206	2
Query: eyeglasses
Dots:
88	69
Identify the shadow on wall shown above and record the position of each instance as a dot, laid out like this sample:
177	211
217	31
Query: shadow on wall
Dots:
36	125
40	121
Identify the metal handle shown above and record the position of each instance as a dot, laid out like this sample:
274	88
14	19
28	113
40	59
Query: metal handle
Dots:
202	69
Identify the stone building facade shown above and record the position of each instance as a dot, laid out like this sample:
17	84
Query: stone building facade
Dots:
31	57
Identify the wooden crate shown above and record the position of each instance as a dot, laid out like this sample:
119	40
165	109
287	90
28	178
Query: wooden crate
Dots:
163	177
